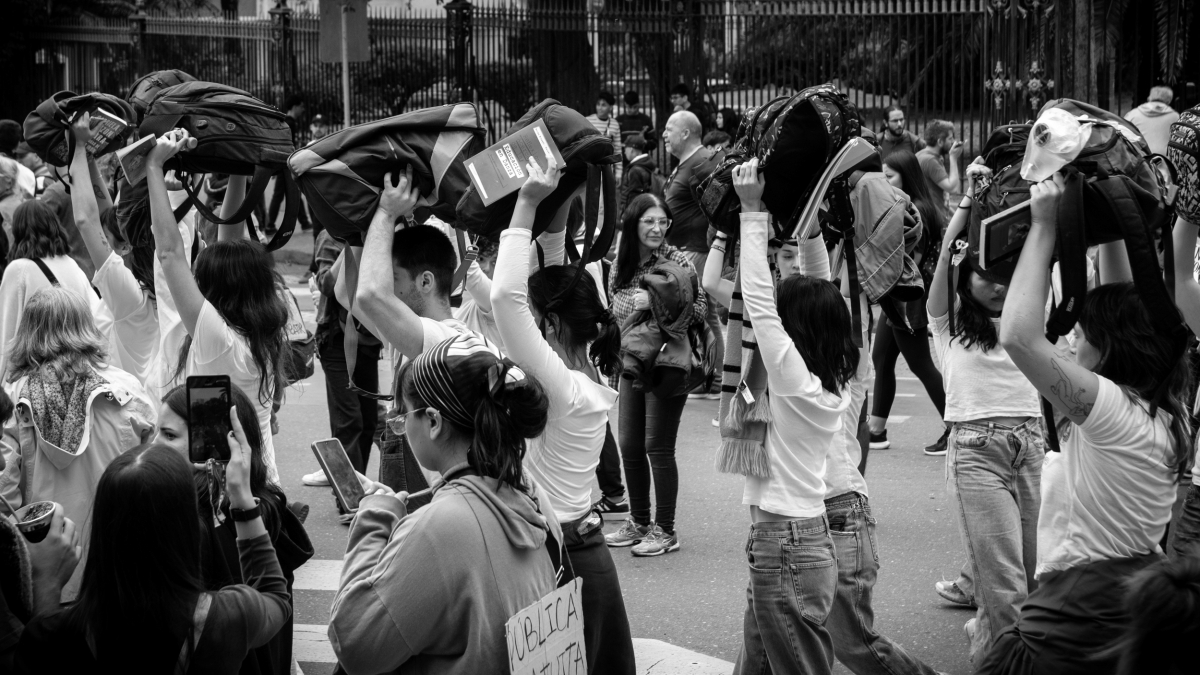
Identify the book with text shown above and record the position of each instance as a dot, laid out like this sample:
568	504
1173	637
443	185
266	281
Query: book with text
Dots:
105	127
500	170
133	158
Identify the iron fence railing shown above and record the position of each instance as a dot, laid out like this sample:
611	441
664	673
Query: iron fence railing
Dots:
936	58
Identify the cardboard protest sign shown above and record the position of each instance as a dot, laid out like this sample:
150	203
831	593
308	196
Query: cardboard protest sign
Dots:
546	638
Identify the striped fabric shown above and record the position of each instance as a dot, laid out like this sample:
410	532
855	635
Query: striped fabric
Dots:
612	129
460	359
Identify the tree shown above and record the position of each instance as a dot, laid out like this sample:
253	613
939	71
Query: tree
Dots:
562	55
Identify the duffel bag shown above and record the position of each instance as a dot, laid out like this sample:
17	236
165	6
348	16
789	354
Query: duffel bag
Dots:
47	128
588	155
142	93
236	134
342	173
794	138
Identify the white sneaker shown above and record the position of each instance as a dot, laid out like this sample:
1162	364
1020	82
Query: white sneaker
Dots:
316	479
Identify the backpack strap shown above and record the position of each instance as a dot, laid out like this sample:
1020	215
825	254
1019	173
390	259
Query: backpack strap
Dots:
468	253
46	270
1072	255
254	195
350	339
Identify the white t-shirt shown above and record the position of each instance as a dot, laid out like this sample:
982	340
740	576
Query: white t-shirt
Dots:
218	349
981	384
23	279
1109	493
135	322
805	418
563	459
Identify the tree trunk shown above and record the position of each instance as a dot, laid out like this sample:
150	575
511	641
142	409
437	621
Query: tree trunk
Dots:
562	54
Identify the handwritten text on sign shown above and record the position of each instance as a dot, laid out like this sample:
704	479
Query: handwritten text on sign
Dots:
546	638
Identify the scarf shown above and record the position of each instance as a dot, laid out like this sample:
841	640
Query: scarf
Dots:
745	411
60	408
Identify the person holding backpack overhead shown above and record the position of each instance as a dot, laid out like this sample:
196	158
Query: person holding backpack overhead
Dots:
995	448
1109	493
229	306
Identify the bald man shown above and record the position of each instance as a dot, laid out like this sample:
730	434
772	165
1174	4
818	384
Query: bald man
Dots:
689	225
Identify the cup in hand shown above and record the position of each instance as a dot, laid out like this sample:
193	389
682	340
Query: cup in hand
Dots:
33	520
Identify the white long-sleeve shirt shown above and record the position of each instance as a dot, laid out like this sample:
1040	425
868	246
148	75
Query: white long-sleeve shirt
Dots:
805	418
563	460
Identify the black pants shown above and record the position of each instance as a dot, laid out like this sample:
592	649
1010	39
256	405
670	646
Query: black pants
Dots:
649	427
608	471
352	418
890	343
605	625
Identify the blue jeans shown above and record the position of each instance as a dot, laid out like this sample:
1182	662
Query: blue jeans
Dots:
793	580
855	642
994	473
1186	540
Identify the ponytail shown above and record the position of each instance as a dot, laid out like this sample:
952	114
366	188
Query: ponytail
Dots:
580	311
606	348
507	413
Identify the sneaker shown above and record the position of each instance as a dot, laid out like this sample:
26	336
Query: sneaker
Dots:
716	423
698	395
969	629
938	447
656	542
879	441
630	533
610	510
316	479
951	592
300	509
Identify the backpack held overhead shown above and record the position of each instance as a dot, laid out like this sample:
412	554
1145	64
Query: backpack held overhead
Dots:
142	93
236	134
48	128
342	173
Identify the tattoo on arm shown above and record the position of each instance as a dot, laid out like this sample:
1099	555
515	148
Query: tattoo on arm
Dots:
1068	393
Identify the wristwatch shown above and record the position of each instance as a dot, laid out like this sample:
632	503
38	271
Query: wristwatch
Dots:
245	516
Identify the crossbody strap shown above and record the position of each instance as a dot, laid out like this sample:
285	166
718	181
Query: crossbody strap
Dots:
199	618
46	270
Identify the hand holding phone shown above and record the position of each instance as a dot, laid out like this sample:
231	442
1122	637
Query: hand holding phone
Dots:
342	476
209	400
237	478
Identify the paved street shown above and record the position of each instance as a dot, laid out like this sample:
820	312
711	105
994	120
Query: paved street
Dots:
694	599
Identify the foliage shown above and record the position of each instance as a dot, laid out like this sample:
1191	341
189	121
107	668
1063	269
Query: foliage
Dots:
510	83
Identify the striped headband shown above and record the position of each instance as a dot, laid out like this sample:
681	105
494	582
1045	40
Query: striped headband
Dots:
440	372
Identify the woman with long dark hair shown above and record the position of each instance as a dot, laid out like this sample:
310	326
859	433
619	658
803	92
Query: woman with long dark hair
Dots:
995	449
433	592
727	120
1127	444
40	258
547	324
649	425
228	303
142	607
808	352
75	411
903	171
220	566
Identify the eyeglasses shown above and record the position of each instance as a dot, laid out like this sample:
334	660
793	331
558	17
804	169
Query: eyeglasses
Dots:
661	222
399	424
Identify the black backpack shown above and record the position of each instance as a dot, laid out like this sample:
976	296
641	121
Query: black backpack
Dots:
48	128
142	93
236	134
794	138
1003	153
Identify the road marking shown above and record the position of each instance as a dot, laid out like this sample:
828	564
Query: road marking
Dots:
906	378
898	419
310	644
904	395
318	575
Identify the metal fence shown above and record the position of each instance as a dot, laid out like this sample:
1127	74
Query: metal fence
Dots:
936	58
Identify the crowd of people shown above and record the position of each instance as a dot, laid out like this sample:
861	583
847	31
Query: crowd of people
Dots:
503	385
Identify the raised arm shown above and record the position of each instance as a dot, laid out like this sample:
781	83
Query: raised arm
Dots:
523	341
945	272
376	298
1187	290
84	202
1068	386
235	194
168	245
720	289
479	286
786	369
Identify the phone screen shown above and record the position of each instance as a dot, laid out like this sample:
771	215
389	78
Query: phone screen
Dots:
209	401
336	465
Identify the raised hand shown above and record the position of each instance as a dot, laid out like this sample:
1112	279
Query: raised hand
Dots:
399	199
82	127
540	184
170	144
749	186
237	474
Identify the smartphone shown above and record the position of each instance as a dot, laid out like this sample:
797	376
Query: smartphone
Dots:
336	465
1003	234
208	401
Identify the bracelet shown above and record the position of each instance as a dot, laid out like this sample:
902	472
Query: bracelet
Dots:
714	247
245	515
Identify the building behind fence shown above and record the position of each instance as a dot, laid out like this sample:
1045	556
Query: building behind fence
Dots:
974	62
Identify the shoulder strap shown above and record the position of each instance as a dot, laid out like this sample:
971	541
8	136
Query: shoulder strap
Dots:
254	195
350	339
468	255
46	270
199	618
